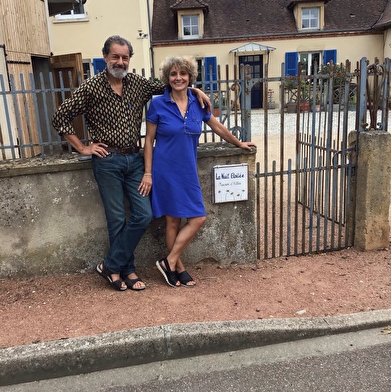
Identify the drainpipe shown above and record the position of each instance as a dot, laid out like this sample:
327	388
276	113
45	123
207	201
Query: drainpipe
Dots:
150	41
48	26
4	66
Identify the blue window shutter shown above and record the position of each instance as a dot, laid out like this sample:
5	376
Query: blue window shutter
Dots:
99	65
329	55
210	61
291	63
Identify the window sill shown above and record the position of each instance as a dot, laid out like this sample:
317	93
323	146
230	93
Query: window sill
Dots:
70	20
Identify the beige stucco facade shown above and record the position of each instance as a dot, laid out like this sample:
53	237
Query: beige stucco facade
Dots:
128	18
352	48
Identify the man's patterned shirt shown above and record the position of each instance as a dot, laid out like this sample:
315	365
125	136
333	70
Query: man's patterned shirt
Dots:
110	118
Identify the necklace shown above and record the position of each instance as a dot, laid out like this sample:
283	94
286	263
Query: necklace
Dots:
181	108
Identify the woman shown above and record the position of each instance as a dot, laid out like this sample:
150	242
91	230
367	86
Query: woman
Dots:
175	121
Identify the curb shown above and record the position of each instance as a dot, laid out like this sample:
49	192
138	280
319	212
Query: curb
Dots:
172	341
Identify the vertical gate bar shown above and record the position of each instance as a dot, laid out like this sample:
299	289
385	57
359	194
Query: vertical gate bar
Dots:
227	98
266	218
350	168
297	183
236	97
303	206
265	215
312	158
14	94
219	100
363	96
274	209
258	209
334	195
47	121
34	93
318	214
36	113
62	90
54	103
246	103
297	163
289	208
25	144
385	95
342	187
8	119
85	128
266	190
326	203
308	200
282	156
327	152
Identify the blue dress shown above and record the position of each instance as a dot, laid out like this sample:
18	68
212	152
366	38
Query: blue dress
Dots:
176	189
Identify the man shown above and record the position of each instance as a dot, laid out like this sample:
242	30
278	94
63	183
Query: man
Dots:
112	102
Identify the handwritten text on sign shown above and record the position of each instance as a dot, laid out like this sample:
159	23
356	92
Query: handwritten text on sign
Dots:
230	183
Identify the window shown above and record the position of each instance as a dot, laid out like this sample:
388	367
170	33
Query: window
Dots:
77	12
210	64
99	64
190	26
308	62
310	18
199	76
86	69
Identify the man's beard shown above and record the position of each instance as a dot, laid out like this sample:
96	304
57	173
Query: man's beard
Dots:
117	72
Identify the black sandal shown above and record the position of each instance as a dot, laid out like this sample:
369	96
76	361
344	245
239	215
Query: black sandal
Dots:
184	278
105	273
169	276
131	282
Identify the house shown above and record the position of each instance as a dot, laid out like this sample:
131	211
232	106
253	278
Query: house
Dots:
87	27
67	35
261	32
230	32
25	45
24	50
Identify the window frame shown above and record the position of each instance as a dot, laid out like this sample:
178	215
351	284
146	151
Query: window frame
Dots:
186	14
298	14
72	15
310	18
190	26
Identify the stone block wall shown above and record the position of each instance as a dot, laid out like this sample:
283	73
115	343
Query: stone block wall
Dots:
52	219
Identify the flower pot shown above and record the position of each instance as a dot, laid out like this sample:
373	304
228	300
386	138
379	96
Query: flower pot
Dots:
291	107
304	106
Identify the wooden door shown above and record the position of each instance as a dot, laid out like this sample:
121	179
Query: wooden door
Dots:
68	69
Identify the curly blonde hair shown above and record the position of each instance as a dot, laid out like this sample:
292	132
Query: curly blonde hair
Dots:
182	62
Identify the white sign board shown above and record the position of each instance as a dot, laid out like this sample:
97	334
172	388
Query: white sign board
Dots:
230	183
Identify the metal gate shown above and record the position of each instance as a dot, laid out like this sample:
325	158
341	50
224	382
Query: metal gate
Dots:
305	177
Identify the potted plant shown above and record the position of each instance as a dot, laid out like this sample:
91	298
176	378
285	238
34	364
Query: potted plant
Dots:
216	108
291	95
317	101
304	96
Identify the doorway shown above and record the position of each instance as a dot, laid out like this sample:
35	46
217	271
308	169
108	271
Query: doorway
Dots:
256	64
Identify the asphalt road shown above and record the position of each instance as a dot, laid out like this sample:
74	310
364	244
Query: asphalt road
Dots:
356	361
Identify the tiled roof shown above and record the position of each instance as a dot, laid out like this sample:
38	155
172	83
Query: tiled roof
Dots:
189	4
385	19
346	15
248	19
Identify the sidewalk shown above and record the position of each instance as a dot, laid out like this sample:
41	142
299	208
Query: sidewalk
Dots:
56	326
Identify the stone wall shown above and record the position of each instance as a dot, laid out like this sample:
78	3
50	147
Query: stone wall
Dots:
371	190
52	219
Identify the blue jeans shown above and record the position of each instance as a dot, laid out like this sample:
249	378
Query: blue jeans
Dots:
117	176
